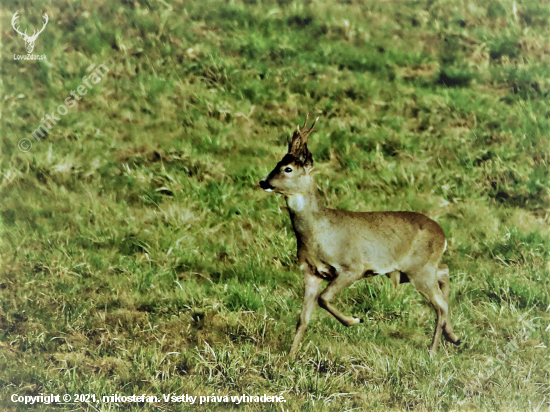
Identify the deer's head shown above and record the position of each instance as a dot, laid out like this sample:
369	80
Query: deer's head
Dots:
29	40
291	174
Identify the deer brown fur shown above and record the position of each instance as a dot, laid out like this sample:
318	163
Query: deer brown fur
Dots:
342	247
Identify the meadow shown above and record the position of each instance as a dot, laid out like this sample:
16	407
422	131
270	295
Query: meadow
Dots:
139	256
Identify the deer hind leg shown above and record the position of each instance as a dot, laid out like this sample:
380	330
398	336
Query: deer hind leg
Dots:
444	284
311	294
337	285
426	282
443	280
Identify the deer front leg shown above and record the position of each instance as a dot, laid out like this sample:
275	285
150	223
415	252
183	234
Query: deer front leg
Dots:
341	282
311	294
395	278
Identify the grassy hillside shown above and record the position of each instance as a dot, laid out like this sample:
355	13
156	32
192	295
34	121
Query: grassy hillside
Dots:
138	255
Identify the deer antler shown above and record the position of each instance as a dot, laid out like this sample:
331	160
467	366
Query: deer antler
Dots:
15	17
309	131
299	138
34	34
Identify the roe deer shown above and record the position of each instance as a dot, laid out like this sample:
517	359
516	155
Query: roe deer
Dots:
342	246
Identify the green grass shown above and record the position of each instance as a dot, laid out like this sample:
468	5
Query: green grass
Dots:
138	255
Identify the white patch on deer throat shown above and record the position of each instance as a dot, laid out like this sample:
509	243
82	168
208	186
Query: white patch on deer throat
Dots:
296	202
268	190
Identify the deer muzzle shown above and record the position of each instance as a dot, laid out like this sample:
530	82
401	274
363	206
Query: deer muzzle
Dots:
264	184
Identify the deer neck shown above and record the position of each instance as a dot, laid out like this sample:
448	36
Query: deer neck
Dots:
304	209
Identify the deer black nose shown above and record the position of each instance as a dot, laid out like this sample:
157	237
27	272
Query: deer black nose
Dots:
265	185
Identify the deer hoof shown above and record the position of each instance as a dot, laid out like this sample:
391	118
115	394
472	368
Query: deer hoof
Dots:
457	342
359	320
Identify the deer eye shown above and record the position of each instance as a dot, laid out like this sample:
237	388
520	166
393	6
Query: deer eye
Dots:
287	169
